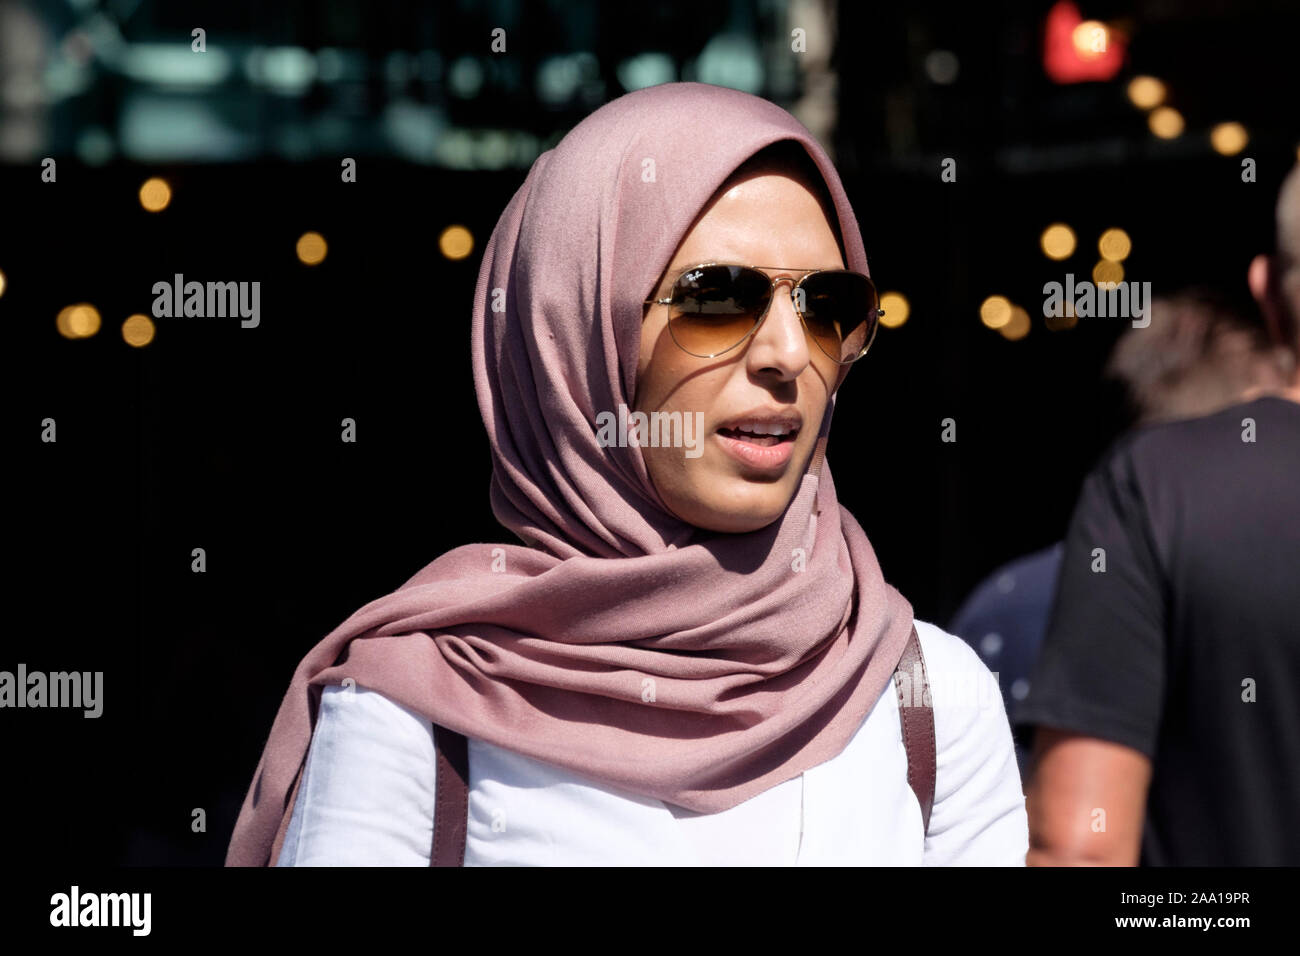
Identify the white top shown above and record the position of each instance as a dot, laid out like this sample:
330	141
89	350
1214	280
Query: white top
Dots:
367	794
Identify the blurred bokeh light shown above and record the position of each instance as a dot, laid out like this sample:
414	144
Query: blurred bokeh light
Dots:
311	248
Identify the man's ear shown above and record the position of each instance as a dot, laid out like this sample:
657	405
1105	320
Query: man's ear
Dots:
1261	277
1257	276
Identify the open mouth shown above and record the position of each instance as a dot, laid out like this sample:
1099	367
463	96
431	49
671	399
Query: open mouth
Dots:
759	438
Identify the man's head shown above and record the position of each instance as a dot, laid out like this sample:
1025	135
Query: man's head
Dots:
1275	280
1199	353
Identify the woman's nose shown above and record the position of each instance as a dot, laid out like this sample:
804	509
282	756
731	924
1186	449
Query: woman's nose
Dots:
780	341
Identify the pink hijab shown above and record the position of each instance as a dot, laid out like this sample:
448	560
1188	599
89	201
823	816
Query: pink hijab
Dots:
618	641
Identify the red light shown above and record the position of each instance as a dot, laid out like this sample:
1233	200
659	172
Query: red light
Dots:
1065	62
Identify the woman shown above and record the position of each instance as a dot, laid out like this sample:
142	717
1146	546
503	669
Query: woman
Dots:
691	658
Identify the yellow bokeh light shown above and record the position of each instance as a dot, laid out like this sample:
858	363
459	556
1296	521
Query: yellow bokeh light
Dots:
1057	241
456	242
138	330
1166	122
1115	245
2	283
79	321
1017	327
84	321
995	311
155	194
1091	38
1146	92
311	248
1107	271
1066	320
1229	138
896	309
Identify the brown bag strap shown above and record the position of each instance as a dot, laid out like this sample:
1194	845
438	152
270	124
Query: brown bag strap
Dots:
451	803
917	717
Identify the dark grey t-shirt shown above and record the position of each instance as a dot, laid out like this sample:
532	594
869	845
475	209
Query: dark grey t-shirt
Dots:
1187	646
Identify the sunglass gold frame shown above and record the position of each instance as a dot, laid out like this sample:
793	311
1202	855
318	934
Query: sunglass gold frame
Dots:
758	320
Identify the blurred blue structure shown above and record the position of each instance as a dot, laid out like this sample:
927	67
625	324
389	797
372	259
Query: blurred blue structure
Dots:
1005	618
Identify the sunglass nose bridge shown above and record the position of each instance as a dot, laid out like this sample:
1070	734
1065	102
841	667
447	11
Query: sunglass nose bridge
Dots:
794	281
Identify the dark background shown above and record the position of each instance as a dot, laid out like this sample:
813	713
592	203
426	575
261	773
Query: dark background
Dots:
226	438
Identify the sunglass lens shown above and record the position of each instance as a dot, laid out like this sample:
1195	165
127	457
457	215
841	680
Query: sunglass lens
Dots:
715	307
840	310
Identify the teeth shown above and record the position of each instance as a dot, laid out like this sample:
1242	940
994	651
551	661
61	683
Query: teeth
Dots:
758	428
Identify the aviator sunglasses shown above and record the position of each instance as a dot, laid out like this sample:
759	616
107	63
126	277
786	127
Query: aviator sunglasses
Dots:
714	307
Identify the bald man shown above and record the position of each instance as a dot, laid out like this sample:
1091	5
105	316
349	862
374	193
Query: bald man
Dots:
1166	700
1275	280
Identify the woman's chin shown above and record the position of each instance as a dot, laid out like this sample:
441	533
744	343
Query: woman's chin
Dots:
734	523
735	505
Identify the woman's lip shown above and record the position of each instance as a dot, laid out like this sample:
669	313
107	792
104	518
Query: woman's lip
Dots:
763	457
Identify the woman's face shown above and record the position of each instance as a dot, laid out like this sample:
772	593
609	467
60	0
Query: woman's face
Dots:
762	219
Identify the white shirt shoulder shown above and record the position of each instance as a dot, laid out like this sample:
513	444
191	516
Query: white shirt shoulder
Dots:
367	794
978	817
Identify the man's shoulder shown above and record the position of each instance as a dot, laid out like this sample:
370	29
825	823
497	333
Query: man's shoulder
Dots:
1262	435
1158	438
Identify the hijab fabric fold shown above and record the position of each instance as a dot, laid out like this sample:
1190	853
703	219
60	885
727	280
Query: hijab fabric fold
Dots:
617	641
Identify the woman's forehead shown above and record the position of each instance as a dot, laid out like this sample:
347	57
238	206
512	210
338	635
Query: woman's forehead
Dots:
777	227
